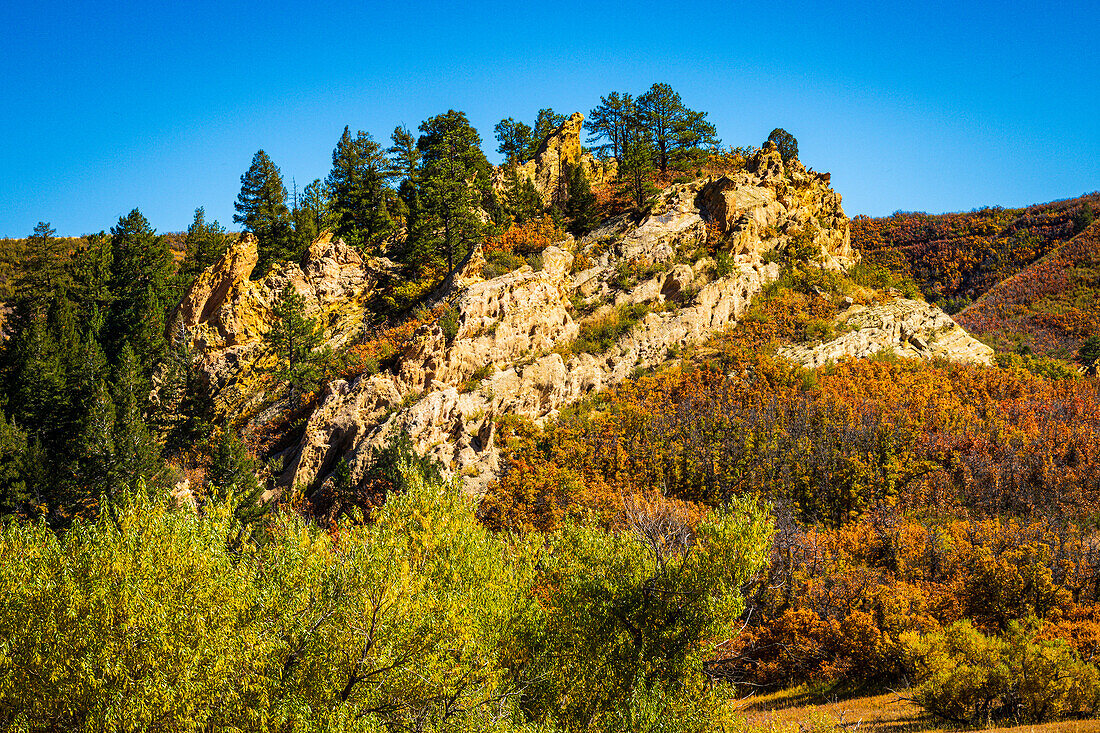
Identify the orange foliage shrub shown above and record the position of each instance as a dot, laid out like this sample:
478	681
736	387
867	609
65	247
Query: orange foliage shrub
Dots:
531	236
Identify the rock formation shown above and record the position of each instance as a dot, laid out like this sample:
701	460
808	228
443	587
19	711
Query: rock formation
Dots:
513	352
911	328
555	160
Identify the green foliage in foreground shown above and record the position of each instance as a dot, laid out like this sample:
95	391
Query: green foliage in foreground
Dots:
966	677
150	619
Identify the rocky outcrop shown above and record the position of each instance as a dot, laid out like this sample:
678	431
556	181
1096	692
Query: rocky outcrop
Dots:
226	313
910	328
771	205
555	160
515	350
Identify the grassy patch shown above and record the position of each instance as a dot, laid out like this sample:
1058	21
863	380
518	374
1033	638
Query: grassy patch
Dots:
600	334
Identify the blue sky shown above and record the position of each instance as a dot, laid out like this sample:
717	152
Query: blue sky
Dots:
936	107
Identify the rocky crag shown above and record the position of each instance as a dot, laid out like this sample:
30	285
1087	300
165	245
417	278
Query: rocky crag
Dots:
515	350
555	160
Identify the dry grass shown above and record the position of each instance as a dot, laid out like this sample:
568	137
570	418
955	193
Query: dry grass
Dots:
886	713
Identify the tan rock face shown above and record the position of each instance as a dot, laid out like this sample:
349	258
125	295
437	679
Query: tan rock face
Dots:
911	328
512	352
555	159
769	205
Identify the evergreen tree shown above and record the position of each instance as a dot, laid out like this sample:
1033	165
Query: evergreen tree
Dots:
141	287
636	171
357	184
261	208
404	155
14	493
313	214
137	455
786	142
609	122
91	277
453	185
546	122
41	273
97	468
203	245
522	198
293	338
516	140
232	477
581	208
670	126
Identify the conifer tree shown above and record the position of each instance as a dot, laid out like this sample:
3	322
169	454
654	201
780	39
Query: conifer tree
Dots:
232	477
293	338
261	208
670	126
204	244
14	494
137	455
516	139
609	121
42	271
404	155
786	142
581	208
522	198
636	170
141	289
546	121
357	184
453	185
313	214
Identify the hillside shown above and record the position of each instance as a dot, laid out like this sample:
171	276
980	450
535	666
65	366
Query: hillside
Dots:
956	258
1050	307
589	446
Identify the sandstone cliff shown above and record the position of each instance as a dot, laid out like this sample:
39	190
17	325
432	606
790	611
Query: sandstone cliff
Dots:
514	351
555	159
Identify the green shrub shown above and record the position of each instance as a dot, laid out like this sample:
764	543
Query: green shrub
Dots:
600	334
448	322
498	262
966	677
879	277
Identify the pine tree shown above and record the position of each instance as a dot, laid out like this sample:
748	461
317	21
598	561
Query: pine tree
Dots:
357	184
453	185
581	208
294	338
636	170
232	477
203	245
522	198
14	494
261	208
786	142
609	121
313	214
515	139
142	292
670	126
41	273
404	155
546	122
137	455
91	276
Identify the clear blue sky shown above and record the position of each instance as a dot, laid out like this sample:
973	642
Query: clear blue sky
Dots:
935	107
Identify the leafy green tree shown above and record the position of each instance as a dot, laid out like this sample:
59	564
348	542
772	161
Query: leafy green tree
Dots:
786	142
609	121
670	126
581	208
261	208
638	611
141	289
204	244
357	185
294	339
515	139
453	185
